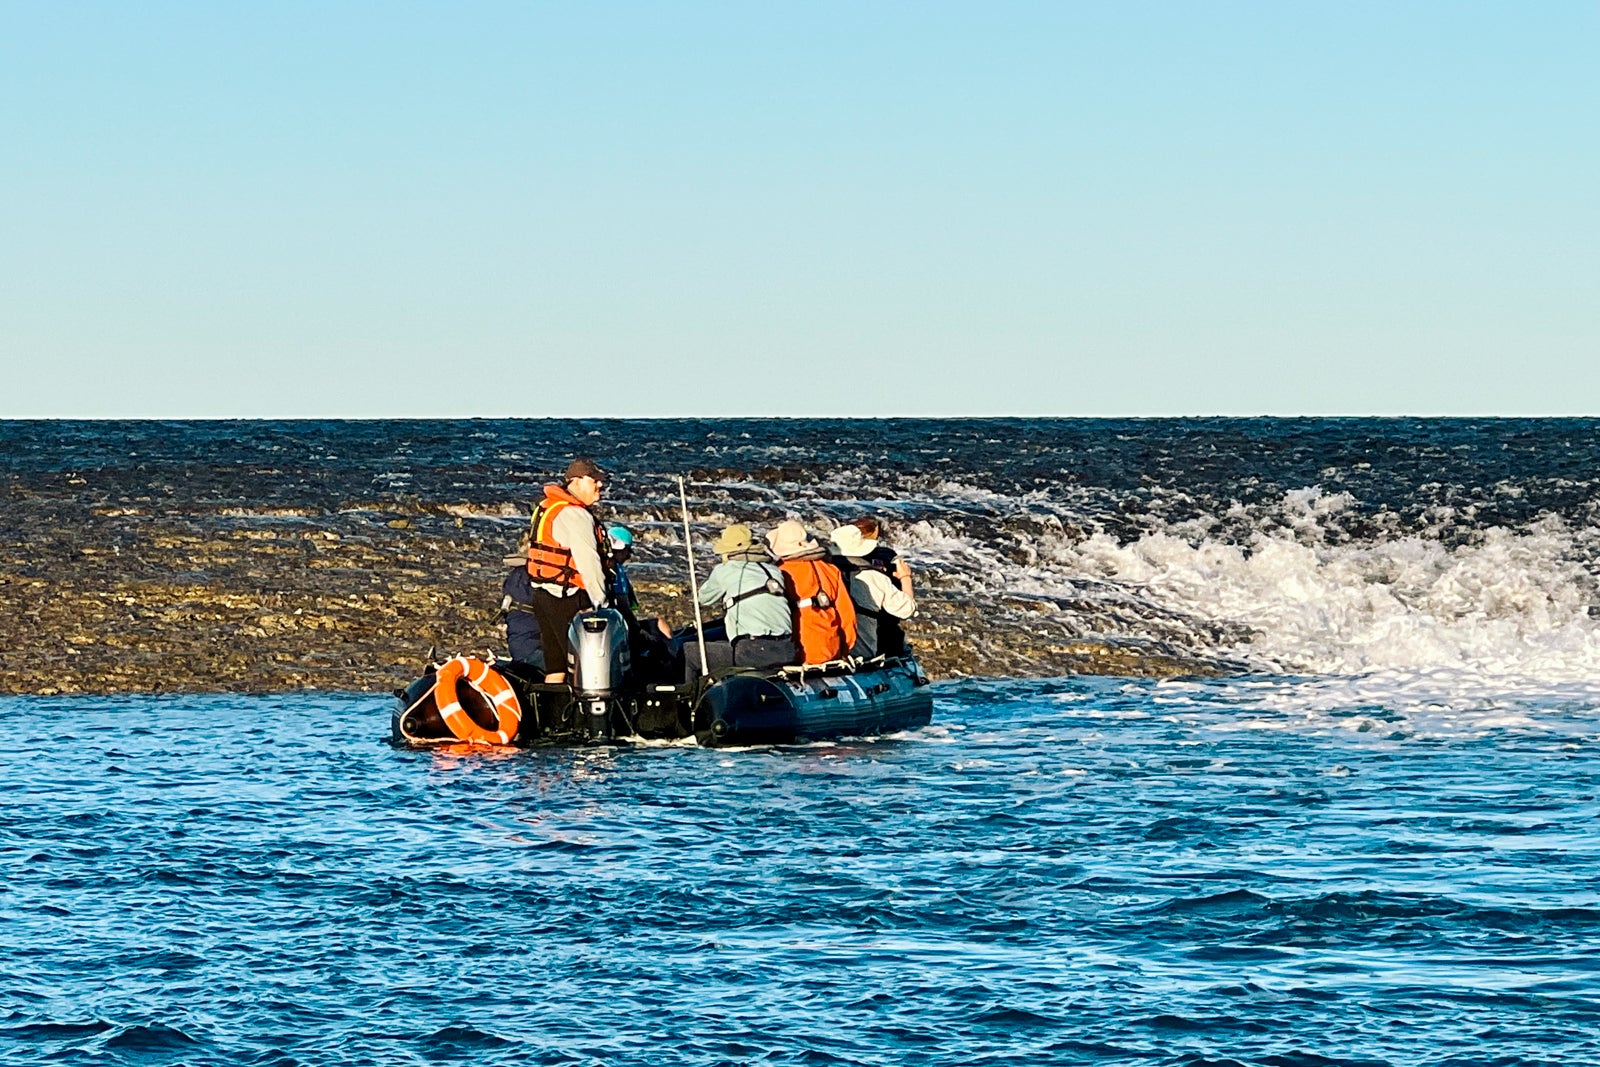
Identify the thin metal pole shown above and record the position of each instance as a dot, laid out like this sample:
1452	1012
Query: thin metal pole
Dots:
694	581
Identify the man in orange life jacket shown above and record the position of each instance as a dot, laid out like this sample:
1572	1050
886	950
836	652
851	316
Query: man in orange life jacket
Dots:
564	560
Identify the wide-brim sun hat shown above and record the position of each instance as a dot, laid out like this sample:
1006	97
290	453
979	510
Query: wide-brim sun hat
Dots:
789	538
735	538
849	541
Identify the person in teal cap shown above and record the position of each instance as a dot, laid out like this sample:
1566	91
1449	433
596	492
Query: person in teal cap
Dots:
647	637
621	590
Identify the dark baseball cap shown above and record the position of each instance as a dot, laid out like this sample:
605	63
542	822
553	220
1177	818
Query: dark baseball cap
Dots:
584	467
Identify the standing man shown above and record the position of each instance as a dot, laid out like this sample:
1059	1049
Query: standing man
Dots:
564	560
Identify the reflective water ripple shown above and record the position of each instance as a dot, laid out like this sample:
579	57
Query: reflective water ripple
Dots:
1080	871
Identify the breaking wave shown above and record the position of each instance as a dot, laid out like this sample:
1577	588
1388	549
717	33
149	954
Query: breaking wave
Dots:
1290	599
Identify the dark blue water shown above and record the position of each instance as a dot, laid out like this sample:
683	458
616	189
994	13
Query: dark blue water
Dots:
1125	475
1252	871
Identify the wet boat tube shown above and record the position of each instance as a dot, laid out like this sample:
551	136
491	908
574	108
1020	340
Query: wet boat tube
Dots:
815	703
488	701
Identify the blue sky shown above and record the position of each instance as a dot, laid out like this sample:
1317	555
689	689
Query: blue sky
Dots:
323	209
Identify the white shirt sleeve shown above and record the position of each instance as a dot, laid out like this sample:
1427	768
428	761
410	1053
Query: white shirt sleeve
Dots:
573	529
881	594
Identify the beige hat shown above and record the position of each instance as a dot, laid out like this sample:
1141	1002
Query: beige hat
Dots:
789	538
848	540
735	538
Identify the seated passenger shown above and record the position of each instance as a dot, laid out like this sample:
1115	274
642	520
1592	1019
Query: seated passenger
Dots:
653	657
522	625
880	603
825	618
619	541
882	557
748	586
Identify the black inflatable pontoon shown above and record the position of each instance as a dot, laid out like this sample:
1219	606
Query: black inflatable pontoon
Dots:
502	702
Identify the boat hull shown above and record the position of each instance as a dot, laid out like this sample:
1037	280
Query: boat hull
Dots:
746	708
794	706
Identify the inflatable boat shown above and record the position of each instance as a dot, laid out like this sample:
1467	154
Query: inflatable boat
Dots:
488	701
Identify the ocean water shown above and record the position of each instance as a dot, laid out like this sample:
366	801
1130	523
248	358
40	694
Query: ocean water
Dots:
1372	843
1255	870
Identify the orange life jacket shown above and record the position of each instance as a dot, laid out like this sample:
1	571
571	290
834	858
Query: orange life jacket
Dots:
548	560
826	619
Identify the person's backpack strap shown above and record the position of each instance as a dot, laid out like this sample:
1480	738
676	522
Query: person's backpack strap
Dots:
773	586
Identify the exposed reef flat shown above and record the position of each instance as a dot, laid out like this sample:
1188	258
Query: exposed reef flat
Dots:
117	597
261	556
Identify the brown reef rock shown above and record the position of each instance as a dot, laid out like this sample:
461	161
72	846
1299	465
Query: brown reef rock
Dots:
137	597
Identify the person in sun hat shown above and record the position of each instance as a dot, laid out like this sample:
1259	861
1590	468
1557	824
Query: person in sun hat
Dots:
882	557
825	617
880	603
749	588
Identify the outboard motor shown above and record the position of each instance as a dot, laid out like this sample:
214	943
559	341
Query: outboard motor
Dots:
598	663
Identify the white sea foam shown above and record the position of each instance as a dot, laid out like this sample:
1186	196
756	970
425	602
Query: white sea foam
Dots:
1316	583
1513	604
1501	603
490	513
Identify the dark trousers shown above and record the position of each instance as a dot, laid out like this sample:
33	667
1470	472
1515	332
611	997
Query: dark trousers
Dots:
555	615
655	662
765	652
523	638
761	653
719	656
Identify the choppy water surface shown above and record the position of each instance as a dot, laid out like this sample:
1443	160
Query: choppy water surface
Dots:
1261	870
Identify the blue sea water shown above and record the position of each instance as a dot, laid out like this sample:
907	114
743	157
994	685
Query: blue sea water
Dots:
1377	845
1264	869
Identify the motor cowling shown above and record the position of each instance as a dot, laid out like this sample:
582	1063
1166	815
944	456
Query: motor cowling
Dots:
597	656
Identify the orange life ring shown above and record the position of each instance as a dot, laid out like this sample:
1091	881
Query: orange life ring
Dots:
486	680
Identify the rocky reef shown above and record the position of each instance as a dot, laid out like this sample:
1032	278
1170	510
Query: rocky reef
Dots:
105	588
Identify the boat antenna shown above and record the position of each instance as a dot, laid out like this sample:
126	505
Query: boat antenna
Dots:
694	581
